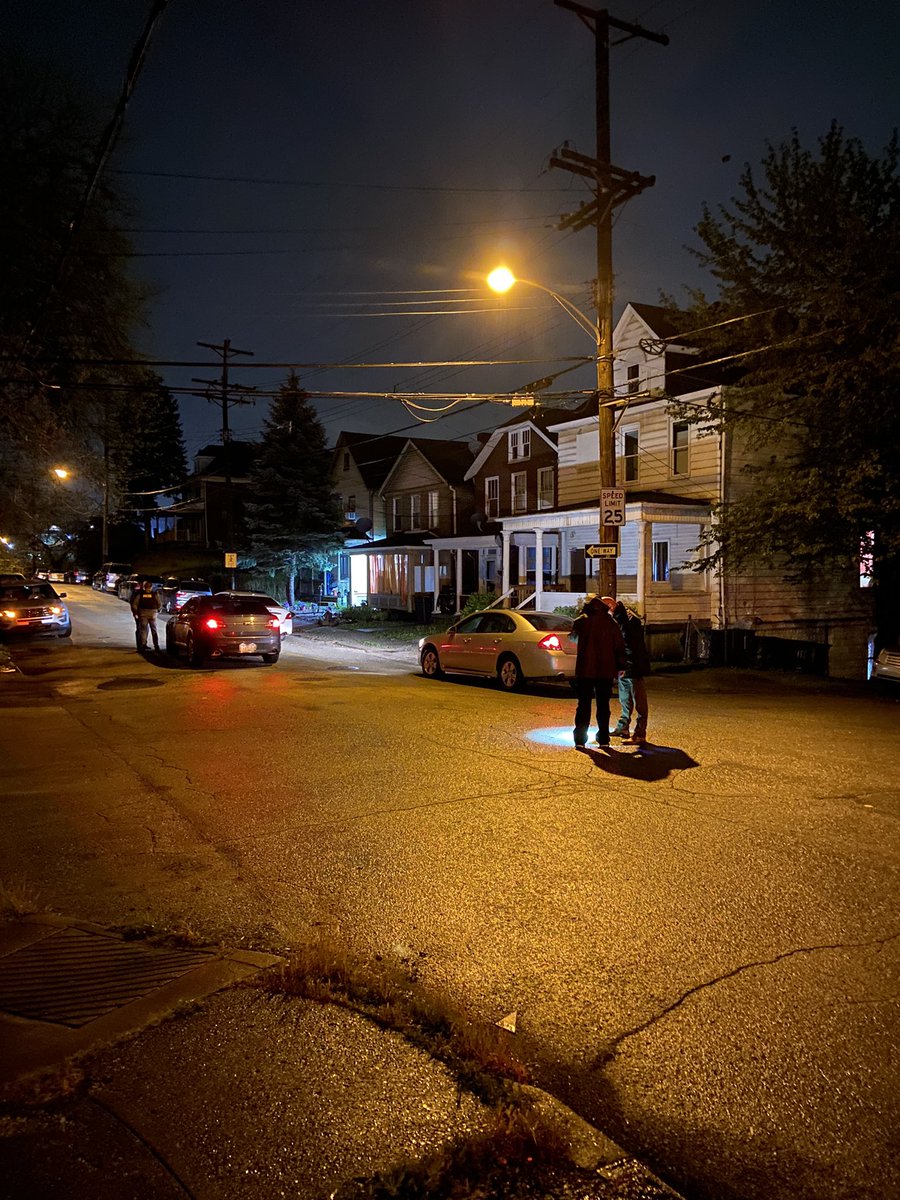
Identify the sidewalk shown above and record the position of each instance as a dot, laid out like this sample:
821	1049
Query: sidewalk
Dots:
135	1070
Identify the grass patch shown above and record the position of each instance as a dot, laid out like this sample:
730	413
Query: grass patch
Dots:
389	994
17	900
517	1150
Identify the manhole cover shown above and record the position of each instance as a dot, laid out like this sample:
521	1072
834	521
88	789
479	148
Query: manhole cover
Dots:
134	681
74	976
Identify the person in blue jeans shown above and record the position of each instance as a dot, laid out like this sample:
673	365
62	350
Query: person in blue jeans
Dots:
632	688
600	657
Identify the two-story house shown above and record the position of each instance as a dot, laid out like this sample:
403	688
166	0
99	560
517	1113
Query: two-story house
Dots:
674	473
360	464
425	496
210	511
513	474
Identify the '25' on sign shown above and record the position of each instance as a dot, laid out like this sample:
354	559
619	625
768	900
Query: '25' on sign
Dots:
612	506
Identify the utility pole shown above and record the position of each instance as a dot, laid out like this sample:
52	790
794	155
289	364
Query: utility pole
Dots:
233	394
611	186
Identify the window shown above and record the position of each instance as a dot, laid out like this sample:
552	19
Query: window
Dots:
519	492
545	487
492	496
680	448
432	510
415	512
630	453
346	460
395	514
660	562
350	512
633	375
519	444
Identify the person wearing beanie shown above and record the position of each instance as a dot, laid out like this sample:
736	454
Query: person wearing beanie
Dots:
632	688
600	657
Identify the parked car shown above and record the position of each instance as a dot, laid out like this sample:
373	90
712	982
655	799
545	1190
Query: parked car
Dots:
505	644
887	664
129	584
33	609
12	577
285	617
175	592
78	575
108	576
224	626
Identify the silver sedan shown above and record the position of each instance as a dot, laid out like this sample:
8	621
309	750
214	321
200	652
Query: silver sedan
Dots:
505	644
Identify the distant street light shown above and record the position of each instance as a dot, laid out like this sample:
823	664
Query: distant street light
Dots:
500	280
61	473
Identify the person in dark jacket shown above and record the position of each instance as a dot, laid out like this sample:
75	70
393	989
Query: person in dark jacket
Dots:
600	657
632	688
145	605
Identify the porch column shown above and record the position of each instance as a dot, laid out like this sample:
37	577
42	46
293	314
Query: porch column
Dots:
459	570
436	555
564	566
644	565
538	569
504	566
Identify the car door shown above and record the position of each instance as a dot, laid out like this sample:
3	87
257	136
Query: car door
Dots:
458	643
490	641
181	621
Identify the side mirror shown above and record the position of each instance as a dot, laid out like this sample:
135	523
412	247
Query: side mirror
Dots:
62	595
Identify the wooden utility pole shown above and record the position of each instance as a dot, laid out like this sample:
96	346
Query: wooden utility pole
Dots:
611	186
234	394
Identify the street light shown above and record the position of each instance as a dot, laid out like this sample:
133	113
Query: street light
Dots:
500	280
61	473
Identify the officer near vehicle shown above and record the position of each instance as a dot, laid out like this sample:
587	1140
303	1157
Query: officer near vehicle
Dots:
145	606
600	657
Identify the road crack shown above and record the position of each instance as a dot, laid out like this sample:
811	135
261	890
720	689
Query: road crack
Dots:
611	1049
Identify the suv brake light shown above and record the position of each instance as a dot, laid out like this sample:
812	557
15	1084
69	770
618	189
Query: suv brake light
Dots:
550	642
212	623
274	623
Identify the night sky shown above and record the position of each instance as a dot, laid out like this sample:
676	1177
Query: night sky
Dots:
325	181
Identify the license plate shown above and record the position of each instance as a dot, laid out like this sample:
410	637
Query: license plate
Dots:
247	647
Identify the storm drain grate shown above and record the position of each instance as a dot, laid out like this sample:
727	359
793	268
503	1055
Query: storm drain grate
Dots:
74	976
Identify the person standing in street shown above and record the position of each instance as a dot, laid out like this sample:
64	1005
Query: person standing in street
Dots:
632	688
601	656
145	605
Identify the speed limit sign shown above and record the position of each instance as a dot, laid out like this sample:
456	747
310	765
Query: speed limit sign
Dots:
612	506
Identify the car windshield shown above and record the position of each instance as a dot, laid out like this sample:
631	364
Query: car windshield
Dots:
549	622
28	591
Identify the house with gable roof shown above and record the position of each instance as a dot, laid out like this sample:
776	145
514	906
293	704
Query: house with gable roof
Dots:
425	497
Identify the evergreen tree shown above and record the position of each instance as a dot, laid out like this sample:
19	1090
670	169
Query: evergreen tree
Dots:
148	449
807	263
293	517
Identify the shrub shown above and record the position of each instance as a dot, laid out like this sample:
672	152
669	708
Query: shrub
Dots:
477	601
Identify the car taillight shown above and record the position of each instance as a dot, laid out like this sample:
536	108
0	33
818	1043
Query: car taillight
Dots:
274	623
212	623
550	642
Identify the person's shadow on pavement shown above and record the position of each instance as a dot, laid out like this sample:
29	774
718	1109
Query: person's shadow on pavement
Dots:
648	764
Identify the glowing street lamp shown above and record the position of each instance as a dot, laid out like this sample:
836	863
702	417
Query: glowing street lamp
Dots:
500	280
61	473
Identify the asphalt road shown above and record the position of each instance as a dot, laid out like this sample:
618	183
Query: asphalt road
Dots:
701	941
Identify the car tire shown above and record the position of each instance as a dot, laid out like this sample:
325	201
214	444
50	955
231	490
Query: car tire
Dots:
67	633
431	663
193	651
509	674
271	659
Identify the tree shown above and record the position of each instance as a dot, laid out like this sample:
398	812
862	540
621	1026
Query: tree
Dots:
147	449
52	319
808	269
293	519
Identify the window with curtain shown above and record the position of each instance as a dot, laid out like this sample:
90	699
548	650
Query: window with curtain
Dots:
545	487
519	492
